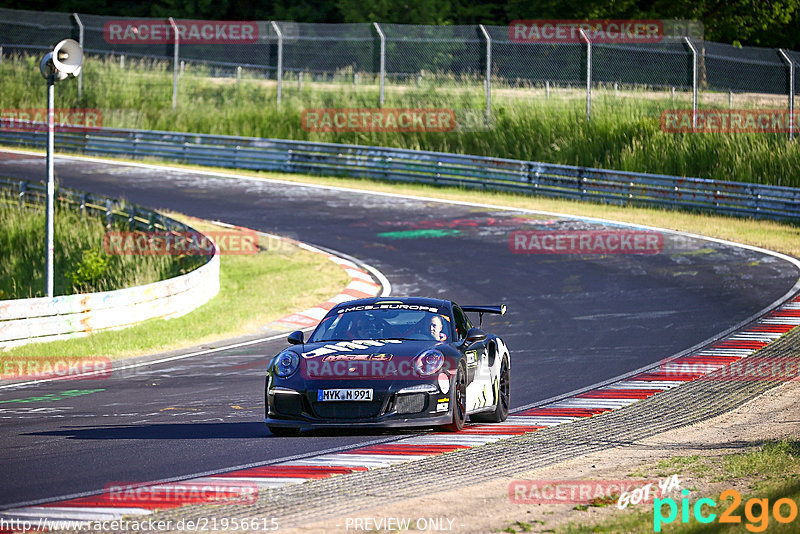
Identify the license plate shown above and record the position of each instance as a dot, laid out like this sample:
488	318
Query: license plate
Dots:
344	395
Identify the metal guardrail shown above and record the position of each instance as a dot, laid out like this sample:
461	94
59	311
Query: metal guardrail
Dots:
136	217
559	181
43	319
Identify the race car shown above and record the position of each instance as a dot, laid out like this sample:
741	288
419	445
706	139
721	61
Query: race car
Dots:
390	362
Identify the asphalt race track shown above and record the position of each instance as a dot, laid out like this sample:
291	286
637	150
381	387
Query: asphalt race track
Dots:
573	320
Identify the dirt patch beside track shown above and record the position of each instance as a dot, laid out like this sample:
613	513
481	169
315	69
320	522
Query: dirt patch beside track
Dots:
486	507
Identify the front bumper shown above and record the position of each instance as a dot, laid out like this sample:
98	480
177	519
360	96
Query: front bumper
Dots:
402	405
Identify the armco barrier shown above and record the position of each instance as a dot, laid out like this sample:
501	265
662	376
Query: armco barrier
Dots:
43	319
561	181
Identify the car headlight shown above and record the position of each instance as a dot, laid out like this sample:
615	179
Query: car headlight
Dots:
286	363
429	362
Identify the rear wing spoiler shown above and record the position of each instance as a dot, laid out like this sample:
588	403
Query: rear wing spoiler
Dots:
497	310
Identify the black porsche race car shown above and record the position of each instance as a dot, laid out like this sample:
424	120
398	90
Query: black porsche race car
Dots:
386	362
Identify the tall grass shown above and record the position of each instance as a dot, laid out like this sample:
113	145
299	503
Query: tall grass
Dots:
80	263
624	132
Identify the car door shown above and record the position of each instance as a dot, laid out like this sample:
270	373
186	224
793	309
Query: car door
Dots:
479	393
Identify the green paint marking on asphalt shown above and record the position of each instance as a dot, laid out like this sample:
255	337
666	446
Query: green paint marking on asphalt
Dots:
50	397
420	234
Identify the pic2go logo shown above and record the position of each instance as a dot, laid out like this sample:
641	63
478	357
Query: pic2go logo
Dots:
756	511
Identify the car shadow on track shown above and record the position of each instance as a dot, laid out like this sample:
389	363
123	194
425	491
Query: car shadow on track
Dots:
240	430
163	431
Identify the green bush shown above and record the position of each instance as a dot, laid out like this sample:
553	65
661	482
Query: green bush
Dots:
89	271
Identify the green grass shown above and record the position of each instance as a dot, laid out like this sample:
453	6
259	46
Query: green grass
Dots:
254	290
624	132
683	464
767	465
770	471
518	526
80	264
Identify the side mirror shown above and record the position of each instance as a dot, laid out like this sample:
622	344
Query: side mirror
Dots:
474	335
295	338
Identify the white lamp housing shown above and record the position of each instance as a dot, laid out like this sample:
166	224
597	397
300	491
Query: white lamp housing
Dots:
65	59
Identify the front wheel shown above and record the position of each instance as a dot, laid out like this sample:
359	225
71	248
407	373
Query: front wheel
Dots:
500	412
459	400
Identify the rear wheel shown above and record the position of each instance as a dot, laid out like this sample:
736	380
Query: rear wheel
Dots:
500	412
284	431
459	400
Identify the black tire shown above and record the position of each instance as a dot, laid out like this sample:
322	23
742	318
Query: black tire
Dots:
459	394
500	412
284	431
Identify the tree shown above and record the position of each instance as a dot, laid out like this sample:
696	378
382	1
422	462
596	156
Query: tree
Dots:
750	22
402	12
771	23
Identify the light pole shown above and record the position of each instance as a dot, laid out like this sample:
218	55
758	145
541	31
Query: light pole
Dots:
65	59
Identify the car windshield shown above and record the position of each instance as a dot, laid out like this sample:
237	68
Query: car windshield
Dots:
421	323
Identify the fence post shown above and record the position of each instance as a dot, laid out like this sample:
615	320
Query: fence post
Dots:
22	189
280	57
109	213
175	63
122	62
694	81
588	75
488	72
790	64
300	82
49	223
382	60
80	41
